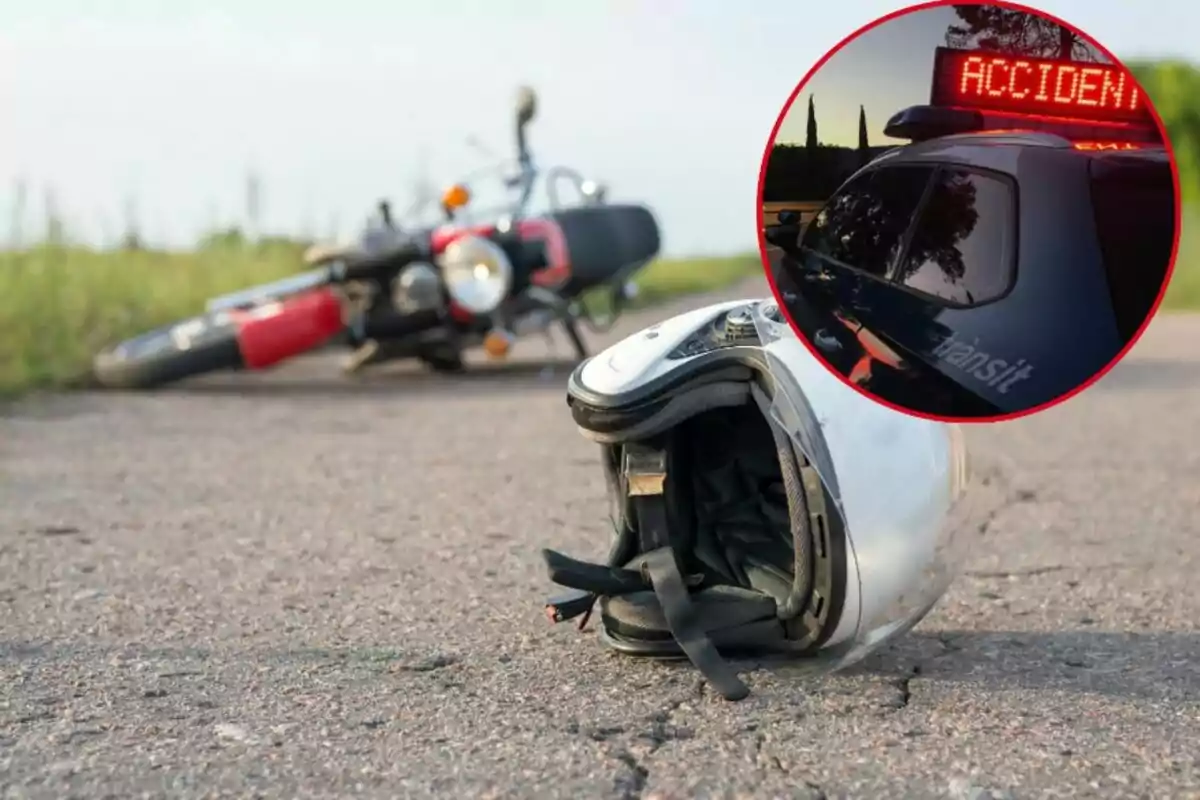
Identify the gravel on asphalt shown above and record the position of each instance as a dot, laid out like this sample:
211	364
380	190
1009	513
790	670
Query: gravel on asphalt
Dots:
302	585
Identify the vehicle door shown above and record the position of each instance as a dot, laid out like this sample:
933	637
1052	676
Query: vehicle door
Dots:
959	257
845	254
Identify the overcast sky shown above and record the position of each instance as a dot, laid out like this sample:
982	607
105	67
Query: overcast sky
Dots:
334	104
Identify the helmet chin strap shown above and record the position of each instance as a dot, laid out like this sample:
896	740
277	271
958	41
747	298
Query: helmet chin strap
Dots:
662	573
645	471
658	569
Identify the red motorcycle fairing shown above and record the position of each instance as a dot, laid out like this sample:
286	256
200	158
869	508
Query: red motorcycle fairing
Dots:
274	332
553	276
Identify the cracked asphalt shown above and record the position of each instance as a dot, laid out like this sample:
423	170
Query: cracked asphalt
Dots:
296	585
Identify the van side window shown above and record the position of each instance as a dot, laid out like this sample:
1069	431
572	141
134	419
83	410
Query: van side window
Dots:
963	246
864	223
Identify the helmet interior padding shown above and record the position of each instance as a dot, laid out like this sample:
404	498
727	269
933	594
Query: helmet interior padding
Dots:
732	549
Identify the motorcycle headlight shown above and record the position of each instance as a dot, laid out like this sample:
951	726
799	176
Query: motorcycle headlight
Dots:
477	272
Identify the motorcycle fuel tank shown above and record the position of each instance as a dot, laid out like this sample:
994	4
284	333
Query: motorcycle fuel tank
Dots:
274	332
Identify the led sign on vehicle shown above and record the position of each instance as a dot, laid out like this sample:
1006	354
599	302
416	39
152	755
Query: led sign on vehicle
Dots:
1106	146
1038	86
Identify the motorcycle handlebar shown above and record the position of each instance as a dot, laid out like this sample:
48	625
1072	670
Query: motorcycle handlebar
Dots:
528	173
523	157
526	256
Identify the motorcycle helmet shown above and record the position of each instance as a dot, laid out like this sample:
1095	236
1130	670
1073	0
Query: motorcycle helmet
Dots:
760	506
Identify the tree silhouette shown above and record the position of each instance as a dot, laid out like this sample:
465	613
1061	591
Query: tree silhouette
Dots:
796	173
810	139
949	217
864	145
813	170
1005	30
864	224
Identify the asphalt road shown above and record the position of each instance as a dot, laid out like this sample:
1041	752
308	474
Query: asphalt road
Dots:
301	586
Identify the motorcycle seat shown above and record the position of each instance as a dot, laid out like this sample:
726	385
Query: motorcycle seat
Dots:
604	242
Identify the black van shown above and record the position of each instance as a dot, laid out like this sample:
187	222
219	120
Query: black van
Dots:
987	268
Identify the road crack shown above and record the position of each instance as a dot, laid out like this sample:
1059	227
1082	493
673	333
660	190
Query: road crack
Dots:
631	781
950	642
431	664
903	686
1014	498
662	728
772	762
632	778
1017	573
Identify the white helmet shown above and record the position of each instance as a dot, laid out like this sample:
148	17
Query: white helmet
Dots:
760	504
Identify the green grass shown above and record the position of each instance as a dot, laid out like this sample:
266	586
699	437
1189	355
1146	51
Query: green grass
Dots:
1184	292
59	305
666	278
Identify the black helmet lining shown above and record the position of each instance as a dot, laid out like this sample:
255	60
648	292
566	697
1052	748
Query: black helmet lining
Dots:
742	527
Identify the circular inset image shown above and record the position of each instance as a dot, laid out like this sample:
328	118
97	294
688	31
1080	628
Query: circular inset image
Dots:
970	211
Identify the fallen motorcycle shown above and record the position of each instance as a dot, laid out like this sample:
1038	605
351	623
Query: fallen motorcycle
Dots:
428	294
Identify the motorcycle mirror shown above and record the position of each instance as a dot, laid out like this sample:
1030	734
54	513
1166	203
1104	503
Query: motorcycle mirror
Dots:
593	192
526	105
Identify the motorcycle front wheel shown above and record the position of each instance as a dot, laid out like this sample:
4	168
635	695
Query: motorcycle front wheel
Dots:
165	355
